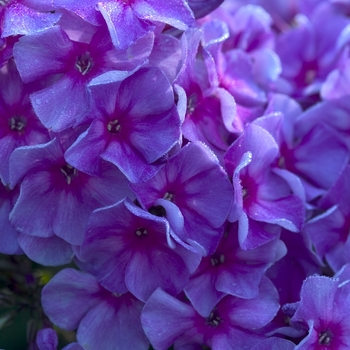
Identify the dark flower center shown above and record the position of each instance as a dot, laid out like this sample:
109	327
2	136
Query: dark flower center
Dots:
114	126
17	123
157	210
325	337
214	319
69	173
84	63
217	259
140	232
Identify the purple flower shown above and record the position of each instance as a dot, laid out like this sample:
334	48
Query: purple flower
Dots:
263	199
73	299
130	20
329	231
26	16
46	339
135	124
19	126
139	244
56	198
229	325
210	110
192	191
70	66
231	270
324	311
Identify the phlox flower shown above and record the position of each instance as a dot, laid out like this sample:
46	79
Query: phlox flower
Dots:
130	20
46	339
135	124
138	244
229	325
55	198
231	270
210	110
323	311
329	231
74	300
193	193
70	66
19	126
26	16
263	199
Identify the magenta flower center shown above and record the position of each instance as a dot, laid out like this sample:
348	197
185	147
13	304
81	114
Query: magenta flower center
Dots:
69	173
325	337
114	126
17	123
84	63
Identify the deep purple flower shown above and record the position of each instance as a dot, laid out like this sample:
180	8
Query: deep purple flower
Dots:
74	300
231	270
229	325
124	244
55	197
192	191
71	66
135	124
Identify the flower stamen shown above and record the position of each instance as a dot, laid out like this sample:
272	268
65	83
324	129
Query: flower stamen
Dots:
17	123
69	172
325	337
141	232
113	126
214	319
84	63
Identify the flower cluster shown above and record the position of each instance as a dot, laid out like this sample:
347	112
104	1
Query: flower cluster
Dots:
191	159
